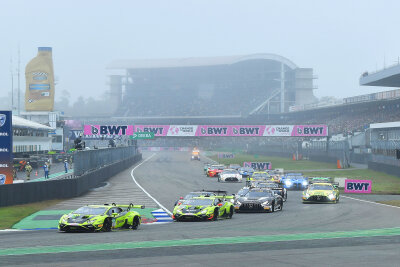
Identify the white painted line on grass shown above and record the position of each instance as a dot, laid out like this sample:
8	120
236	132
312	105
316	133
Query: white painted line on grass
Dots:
373	202
147	193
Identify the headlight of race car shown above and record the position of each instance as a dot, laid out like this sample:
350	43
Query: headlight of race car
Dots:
307	195
91	221
288	183
331	196
204	211
238	203
64	219
266	203
305	183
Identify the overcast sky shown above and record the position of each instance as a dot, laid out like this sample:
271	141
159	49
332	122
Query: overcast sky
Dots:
339	39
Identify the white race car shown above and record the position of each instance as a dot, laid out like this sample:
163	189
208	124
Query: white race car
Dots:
230	175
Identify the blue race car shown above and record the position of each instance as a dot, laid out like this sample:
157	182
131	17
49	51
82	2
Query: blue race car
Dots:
246	171
294	181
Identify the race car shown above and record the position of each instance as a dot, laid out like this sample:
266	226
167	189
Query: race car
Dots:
294	181
94	218
215	170
206	166
230	175
260	175
204	208
259	200
275	187
246	171
321	192
195	154
201	193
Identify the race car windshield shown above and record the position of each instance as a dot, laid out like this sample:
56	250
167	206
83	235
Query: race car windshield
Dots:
198	202
90	211
257	194
321	187
243	192
229	172
267	185
246	169
192	195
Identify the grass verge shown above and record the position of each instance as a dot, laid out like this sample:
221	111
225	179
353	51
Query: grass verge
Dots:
382	183
13	214
277	162
391	202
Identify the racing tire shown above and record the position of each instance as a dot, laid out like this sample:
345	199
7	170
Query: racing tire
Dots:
281	205
216	212
219	179
230	214
106	225
272	208
135	223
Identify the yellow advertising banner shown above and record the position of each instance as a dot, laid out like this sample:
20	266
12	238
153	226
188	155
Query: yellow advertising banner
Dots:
39	74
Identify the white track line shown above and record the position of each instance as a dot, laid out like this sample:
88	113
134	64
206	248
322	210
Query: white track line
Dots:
147	193
367	201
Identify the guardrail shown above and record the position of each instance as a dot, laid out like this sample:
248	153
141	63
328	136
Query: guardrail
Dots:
72	186
88	160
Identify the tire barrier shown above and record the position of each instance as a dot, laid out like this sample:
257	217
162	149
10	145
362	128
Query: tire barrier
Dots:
23	193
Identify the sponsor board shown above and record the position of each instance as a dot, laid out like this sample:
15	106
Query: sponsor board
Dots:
108	130
6	156
258	165
357	186
209	130
226	155
142	135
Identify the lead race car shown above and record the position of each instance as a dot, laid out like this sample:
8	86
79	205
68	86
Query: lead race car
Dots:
204	208
294	181
201	193
230	175
95	218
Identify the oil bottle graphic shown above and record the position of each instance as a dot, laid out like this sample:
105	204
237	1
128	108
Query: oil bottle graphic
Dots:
39	74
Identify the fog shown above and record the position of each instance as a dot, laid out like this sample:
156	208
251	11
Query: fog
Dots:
338	39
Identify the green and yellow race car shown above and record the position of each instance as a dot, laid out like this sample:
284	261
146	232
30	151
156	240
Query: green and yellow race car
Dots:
95	218
321	192
204	208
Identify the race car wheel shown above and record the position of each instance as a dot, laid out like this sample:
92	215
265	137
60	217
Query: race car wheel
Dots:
230	213
219	179
106	225
136	223
282	205
216	212
272	207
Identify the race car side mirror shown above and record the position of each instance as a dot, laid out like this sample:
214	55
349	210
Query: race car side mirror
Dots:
220	204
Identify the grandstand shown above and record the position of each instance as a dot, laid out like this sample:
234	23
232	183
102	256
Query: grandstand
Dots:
224	86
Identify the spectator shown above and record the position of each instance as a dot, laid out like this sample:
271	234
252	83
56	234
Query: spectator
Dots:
28	169
66	166
46	170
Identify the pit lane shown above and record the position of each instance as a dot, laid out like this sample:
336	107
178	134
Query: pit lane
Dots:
167	176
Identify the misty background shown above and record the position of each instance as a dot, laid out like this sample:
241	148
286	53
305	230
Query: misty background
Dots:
338	39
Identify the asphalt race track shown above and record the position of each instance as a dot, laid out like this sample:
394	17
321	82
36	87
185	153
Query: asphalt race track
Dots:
350	233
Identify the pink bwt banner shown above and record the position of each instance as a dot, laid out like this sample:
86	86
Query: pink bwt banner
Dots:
210	130
258	165
108	130
357	186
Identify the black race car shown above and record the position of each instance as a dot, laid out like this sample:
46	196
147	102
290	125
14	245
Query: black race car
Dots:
277	188
259	200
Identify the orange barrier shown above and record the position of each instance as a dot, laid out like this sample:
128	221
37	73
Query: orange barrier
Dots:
339	166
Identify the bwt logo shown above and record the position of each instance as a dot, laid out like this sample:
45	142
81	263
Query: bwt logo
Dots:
215	130
358	186
258	165
310	130
110	130
155	130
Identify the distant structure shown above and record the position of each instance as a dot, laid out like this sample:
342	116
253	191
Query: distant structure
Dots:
232	85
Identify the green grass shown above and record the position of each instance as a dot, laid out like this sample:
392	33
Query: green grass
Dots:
277	162
13	214
391	202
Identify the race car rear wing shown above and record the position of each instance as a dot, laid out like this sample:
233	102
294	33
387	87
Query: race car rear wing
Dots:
217	192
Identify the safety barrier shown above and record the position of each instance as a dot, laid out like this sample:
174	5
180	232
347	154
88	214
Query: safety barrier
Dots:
14	194
88	160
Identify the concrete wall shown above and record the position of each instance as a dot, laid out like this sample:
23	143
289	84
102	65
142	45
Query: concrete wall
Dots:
23	193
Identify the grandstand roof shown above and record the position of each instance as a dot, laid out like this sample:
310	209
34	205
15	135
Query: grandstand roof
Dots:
194	62
19	122
383	125
388	77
